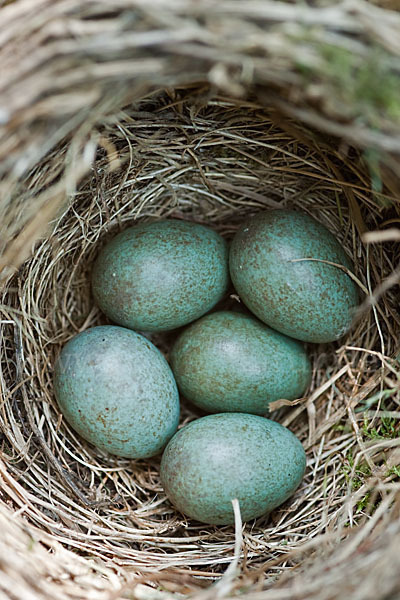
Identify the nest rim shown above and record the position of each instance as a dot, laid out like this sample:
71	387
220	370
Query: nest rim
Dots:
181	170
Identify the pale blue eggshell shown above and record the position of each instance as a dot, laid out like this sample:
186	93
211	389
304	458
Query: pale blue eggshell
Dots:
308	300
161	275
220	457
232	362
117	391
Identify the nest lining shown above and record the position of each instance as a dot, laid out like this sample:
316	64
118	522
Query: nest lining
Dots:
216	164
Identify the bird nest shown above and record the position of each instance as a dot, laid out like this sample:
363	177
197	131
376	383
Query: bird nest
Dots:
210	113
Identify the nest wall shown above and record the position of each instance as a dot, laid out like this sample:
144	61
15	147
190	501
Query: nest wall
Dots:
196	112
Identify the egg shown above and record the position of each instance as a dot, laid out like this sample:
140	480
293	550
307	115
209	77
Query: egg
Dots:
232	362
161	275
305	299
220	457
117	391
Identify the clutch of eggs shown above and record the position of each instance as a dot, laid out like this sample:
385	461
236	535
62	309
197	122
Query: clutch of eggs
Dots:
116	389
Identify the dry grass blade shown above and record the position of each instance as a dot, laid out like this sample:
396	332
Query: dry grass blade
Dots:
67	66
111	114
159	159
388	235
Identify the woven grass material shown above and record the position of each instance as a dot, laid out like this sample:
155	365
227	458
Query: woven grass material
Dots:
67	65
77	168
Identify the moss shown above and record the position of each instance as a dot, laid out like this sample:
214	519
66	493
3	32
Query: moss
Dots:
364	502
366	88
344	427
388	428
370	85
357	478
395	470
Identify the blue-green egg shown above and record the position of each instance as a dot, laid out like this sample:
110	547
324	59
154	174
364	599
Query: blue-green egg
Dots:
218	458
232	362
270	268
117	391
161	275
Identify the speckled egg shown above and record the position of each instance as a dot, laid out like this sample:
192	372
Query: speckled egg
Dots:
309	300
117	391
161	275
232	362
220	457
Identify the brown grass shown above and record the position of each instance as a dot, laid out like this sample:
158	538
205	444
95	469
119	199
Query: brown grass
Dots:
228	162
79	161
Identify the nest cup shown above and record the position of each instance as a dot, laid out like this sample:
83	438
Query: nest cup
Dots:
134	115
